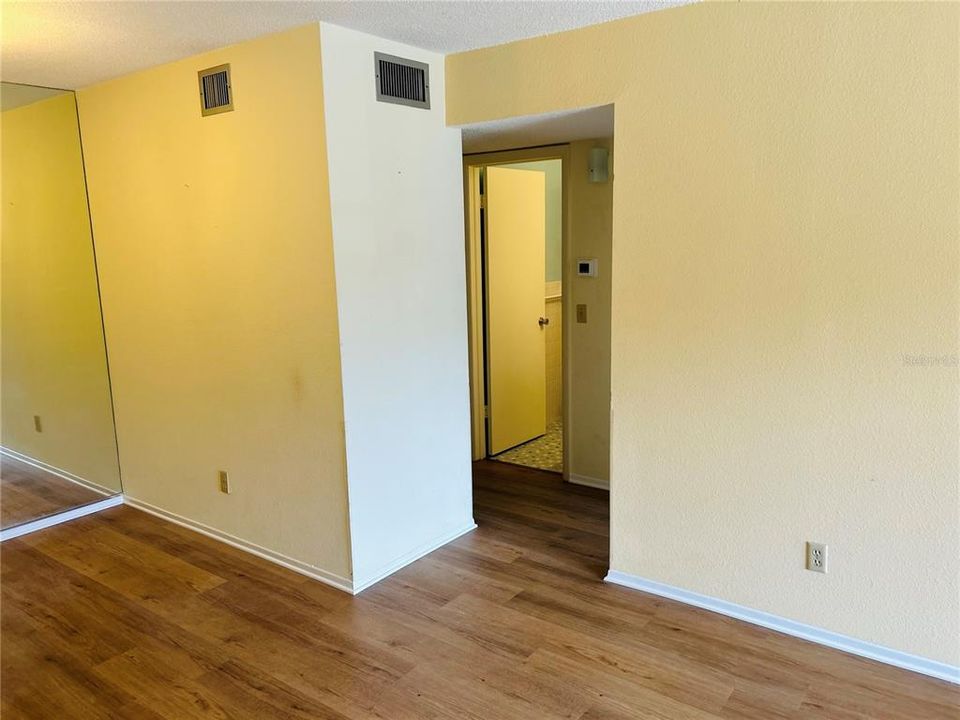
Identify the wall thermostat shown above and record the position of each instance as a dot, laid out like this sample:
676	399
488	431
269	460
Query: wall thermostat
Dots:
587	267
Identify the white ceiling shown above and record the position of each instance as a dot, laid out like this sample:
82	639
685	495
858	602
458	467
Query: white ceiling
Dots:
534	130
74	44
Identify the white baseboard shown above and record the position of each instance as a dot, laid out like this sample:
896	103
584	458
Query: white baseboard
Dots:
588	481
404	560
61	517
311	571
59	472
933	668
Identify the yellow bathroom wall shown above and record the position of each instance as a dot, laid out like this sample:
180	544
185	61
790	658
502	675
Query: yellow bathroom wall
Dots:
214	244
53	361
784	299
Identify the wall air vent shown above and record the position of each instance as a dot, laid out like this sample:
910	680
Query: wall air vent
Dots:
400	81
216	92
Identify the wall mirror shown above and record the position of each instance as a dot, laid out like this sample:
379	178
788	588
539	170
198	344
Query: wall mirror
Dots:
58	448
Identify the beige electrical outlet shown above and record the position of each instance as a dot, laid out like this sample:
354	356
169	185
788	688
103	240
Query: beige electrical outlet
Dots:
224	482
37	425
816	557
581	313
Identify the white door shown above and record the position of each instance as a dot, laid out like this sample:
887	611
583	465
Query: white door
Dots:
515	248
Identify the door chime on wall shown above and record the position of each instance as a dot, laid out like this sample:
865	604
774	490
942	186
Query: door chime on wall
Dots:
598	166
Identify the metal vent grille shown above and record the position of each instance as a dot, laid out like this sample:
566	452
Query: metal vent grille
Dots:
401	81
216	92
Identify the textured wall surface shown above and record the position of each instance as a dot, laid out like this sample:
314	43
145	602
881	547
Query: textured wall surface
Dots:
216	265
401	291
591	229
784	302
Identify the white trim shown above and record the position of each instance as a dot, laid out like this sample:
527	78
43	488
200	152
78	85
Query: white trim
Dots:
404	560
59	472
925	666
588	481
62	517
311	571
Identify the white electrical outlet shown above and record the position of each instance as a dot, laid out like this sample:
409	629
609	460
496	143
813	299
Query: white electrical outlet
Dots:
816	557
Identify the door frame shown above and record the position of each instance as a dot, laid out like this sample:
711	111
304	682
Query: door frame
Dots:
472	164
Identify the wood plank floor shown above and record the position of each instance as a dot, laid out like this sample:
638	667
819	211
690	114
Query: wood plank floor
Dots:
29	493
122	615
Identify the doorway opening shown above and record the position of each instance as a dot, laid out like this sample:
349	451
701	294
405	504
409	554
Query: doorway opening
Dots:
519	493
519	213
539	248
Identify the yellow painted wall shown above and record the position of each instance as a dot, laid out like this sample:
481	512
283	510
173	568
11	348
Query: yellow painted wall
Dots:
785	248
53	360
214	243
590	218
